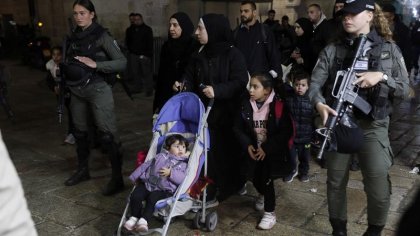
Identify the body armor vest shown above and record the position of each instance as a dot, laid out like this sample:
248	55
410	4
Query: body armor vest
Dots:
82	44
378	95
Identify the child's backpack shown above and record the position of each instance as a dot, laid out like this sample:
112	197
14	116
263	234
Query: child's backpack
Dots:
283	166
278	112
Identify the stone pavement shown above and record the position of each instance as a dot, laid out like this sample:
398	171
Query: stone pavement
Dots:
43	163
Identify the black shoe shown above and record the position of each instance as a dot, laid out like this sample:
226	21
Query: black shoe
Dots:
374	230
339	227
114	186
79	176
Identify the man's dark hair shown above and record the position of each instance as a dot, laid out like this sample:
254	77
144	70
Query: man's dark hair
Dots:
315	5
140	15
271	11
252	3
285	18
171	139
298	73
132	14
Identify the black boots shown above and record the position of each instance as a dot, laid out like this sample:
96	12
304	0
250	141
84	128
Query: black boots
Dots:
339	227
82	174
374	230
82	150
116	184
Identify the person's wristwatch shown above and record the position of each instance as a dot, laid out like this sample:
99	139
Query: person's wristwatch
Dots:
384	78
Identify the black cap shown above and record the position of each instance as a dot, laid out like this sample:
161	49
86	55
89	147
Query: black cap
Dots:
357	6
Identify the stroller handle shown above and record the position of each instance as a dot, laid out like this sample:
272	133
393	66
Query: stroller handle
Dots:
211	102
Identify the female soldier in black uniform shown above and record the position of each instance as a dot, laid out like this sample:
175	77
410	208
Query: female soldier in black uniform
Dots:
92	54
380	79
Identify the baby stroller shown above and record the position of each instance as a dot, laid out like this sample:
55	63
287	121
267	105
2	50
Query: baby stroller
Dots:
183	114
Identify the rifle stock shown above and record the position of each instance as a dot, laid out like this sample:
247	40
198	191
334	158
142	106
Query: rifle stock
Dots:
345	96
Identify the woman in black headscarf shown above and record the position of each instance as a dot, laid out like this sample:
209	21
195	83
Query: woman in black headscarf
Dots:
303	53
174	57
218	70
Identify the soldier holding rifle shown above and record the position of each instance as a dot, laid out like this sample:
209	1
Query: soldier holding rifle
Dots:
375	75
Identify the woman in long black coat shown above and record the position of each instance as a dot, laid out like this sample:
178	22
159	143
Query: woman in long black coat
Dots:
303	53
176	52
218	70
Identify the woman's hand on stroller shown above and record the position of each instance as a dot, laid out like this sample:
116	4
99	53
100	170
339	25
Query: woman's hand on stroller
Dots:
178	86
165	171
207	90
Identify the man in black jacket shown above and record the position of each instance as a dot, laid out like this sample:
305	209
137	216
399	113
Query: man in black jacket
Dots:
257	43
139	42
321	33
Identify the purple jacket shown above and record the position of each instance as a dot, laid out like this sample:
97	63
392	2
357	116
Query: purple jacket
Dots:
148	172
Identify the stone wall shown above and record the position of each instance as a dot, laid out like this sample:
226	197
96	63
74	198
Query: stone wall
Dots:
113	14
18	8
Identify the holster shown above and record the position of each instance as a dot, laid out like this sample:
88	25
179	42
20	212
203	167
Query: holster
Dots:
378	97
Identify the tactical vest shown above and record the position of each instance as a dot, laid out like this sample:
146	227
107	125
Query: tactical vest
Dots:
378	95
78	73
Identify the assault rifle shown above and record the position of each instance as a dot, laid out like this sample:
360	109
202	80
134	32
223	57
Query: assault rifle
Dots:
345	96
3	94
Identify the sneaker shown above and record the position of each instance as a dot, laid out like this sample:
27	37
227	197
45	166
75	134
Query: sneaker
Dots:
259	203
304	178
142	226
243	190
130	223
268	221
70	139
290	178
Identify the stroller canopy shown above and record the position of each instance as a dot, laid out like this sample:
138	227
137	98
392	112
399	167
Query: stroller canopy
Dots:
184	110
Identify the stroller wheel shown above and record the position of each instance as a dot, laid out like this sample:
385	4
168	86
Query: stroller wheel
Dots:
197	220
211	221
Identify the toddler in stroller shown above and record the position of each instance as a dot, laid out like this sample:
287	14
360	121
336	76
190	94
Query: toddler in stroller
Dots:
183	114
157	179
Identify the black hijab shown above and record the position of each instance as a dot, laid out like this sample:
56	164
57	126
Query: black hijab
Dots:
306	26
219	34
178	46
186	25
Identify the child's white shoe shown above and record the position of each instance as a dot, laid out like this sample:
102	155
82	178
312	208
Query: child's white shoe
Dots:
142	226
259	203
268	221
130	223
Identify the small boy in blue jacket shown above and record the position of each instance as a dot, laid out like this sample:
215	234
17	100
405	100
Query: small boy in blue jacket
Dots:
303	114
